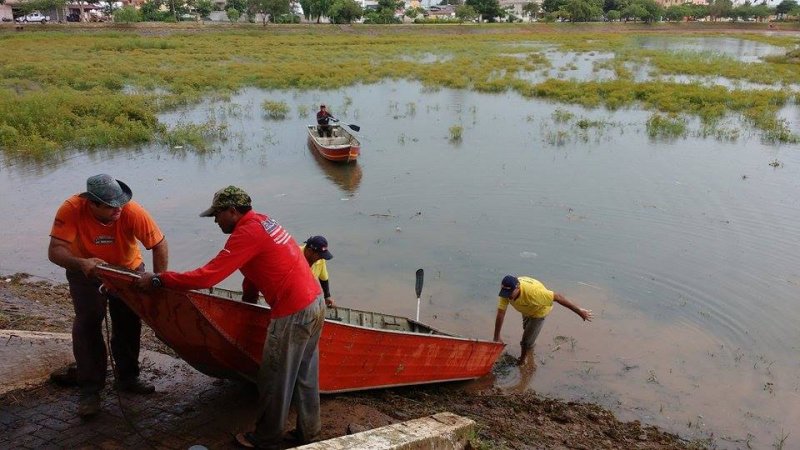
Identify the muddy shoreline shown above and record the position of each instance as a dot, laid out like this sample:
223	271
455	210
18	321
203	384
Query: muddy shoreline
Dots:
505	420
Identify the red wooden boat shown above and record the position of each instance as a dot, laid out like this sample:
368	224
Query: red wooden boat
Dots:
223	337
342	147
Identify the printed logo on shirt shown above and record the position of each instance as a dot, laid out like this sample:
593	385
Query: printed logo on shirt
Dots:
103	240
276	232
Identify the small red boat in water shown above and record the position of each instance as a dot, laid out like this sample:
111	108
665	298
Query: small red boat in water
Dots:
224	338
341	147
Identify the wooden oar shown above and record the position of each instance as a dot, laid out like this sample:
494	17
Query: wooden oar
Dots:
418	288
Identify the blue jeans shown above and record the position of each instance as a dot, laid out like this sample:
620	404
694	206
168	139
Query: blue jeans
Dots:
289	375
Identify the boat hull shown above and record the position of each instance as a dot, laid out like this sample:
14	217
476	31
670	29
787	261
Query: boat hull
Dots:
224	338
343	147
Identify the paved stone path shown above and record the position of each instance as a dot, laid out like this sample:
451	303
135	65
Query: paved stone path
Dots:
187	409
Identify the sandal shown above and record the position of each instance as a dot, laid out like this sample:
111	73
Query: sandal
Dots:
245	439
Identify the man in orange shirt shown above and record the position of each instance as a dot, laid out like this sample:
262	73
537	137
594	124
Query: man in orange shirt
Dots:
103	225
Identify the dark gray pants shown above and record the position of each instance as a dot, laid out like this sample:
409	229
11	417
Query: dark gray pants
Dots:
325	130
88	345
289	375
531	326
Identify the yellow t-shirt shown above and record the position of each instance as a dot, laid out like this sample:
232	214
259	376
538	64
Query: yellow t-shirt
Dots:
319	268
534	299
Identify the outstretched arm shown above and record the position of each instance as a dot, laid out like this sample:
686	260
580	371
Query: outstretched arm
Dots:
498	324
586	314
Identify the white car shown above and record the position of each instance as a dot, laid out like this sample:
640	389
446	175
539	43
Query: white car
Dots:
35	16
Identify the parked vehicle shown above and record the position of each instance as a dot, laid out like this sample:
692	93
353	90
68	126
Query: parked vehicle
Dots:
98	16
73	17
35	16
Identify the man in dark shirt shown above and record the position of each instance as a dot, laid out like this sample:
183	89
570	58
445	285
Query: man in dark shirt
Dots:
323	117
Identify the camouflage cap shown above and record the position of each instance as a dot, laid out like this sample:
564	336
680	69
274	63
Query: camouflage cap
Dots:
105	189
225	198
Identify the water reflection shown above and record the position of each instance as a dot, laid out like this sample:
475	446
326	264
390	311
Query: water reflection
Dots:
346	176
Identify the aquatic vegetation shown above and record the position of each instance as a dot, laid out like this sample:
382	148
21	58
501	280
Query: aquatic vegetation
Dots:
275	110
562	116
584	123
719	132
557	138
455	133
670	126
64	90
192	136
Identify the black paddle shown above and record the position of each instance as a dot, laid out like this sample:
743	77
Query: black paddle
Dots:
352	126
418	288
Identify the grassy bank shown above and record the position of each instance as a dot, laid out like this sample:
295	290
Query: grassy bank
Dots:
64	88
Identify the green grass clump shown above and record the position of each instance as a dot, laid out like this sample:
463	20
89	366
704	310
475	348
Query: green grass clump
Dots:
275	110
660	126
197	137
562	116
455	133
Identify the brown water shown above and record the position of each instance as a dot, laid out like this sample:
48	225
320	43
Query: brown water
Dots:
687	251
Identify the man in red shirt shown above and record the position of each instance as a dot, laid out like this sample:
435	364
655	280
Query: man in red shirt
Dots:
102	225
273	265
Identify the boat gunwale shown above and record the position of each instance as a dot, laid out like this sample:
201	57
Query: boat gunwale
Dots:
350	137
209	293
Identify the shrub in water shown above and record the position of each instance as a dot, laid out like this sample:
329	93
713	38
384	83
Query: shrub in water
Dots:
275	110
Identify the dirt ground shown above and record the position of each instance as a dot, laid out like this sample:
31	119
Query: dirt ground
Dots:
504	420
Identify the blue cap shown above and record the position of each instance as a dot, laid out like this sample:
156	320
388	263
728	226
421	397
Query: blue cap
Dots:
507	286
320	245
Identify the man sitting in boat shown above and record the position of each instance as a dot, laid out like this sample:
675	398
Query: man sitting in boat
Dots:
531	298
323	118
315	249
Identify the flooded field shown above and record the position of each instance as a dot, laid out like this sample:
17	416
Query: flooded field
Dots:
684	245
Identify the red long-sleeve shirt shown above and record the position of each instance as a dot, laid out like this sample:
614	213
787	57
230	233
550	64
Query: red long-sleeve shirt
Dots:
268	257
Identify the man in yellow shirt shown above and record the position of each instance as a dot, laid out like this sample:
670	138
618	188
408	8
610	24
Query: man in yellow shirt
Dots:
534	301
315	249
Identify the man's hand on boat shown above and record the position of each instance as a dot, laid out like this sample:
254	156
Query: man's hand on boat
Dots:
145	282
330	303
88	266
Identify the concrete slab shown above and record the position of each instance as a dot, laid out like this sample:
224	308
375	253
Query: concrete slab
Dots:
28	357
442	431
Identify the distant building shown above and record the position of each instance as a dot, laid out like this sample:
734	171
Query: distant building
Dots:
514	7
441	12
668	3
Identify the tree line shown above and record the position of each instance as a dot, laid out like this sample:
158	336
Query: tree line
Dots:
392	11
